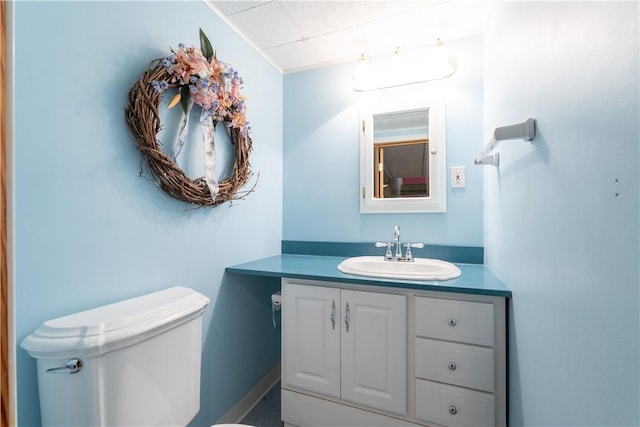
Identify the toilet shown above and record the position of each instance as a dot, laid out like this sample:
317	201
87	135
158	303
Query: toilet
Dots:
135	362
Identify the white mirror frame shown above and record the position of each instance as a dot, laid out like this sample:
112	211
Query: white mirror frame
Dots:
437	200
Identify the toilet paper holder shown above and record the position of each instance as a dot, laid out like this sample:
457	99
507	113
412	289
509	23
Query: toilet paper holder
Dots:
276	304
276	300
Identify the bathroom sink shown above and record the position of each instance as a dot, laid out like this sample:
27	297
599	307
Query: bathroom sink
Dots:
419	269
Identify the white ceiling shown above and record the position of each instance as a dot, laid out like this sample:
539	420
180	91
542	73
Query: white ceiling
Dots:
300	34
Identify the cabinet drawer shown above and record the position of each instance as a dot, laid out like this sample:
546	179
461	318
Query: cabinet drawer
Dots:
459	364
462	321
453	406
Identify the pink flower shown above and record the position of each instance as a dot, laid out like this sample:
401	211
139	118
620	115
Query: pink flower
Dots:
213	85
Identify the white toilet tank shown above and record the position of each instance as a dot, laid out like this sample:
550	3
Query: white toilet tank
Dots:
139	362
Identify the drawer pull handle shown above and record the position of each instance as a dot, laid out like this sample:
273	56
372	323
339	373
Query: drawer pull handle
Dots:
452	366
453	410
452	322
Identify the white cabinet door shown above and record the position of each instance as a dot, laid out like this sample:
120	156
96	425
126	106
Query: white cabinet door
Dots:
311	338
374	350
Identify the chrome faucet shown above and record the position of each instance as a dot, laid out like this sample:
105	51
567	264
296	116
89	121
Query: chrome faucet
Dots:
396	240
407	257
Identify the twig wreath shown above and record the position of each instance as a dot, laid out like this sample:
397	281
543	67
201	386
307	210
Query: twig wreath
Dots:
213	85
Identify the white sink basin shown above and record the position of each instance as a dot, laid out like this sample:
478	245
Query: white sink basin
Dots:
419	269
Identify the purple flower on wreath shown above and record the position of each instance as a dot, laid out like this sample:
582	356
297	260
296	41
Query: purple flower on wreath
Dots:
160	87
211	84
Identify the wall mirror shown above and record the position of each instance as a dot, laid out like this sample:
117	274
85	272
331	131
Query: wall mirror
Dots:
402	158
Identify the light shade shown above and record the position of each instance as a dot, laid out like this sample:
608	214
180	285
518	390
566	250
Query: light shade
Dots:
404	69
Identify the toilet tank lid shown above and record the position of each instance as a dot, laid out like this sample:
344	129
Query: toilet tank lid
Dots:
110	327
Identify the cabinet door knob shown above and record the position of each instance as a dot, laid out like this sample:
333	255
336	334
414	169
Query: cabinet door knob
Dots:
452	366
453	410
452	322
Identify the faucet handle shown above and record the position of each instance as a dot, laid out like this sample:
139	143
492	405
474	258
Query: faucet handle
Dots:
408	256
388	256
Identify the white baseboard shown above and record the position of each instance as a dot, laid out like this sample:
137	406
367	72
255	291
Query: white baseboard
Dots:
251	399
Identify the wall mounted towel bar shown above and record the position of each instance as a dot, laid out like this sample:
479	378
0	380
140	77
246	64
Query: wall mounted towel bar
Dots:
525	131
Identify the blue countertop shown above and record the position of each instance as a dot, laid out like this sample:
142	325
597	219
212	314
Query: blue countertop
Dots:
475	278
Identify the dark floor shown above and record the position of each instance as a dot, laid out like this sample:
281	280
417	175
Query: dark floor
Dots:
267	412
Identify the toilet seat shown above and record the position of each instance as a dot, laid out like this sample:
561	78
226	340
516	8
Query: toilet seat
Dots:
231	425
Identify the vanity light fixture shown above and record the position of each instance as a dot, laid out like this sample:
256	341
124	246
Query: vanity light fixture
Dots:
404	69
362	74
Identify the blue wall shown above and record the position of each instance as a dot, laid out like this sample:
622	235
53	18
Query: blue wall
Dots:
321	157
555	231
90	231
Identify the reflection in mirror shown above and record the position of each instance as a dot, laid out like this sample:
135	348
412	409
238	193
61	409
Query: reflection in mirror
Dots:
401	154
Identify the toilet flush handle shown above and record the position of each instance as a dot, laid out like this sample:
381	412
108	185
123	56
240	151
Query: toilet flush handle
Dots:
73	366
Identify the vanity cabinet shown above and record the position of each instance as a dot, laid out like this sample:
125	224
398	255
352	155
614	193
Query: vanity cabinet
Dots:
362	355
345	344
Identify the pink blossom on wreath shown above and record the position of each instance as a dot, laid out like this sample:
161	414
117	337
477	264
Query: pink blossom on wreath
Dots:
213	85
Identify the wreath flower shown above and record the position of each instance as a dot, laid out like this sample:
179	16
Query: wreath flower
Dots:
209	83
203	80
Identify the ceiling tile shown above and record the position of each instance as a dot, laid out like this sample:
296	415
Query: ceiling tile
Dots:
295	56
231	7
367	11
316	18
386	34
300	34
342	46
267	25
